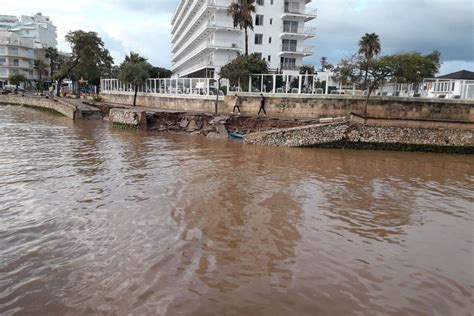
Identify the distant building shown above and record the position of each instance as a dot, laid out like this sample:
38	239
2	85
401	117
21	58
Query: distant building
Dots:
456	85
22	41
16	56
204	39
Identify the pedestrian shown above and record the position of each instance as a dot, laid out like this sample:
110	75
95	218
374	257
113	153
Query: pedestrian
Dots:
262	105
237	103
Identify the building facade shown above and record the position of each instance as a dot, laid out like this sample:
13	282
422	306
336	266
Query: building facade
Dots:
203	37
16	56
22	41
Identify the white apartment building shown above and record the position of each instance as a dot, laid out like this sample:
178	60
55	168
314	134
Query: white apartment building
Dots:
203	37
16	56
22	40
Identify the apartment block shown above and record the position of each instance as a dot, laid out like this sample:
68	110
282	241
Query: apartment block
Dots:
203	37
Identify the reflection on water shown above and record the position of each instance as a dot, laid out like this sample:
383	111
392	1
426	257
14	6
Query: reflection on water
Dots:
100	221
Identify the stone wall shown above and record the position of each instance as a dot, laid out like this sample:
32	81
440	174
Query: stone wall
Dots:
350	134
301	106
58	106
130	118
202	104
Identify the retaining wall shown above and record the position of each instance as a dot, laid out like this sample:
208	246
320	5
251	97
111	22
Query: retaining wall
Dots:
58	106
354	135
301	106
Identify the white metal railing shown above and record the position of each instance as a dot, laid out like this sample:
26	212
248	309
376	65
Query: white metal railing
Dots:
297	8
288	84
291	48
166	87
299	30
288	66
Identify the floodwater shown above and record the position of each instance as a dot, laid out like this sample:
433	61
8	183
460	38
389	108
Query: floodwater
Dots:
96	221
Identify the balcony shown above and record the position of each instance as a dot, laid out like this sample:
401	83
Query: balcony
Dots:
289	49
292	67
294	11
203	49
194	13
302	32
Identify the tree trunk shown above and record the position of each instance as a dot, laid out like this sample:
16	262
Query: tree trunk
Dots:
135	96
246	43
59	83
367	101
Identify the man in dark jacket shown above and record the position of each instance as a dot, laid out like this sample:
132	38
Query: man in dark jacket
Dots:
262	105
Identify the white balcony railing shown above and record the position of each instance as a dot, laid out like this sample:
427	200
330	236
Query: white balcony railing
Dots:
285	66
300	30
291	8
290	48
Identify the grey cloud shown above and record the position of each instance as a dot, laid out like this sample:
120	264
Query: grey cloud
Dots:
403	25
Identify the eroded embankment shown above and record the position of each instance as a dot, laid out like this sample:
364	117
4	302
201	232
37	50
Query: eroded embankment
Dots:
204	124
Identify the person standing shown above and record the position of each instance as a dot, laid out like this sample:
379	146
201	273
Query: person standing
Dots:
262	105
237	104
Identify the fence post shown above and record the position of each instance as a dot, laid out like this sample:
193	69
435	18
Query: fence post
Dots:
250	83
274	83
299	83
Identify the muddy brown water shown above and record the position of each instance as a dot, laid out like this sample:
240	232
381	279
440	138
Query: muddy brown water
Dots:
96	221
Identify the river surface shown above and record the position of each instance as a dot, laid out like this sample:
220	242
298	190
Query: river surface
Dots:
96	221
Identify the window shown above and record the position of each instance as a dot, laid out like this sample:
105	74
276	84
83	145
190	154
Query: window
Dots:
288	63
16	62
259	19
258	39
270	40
292	7
269	58
260	2
271	21
271	2
289	45
3	61
259	55
290	26
13	51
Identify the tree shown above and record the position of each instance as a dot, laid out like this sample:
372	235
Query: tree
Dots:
369	47
380	70
241	13
348	71
41	67
16	80
53	55
158	72
307	69
414	67
89	58
239	70
134	70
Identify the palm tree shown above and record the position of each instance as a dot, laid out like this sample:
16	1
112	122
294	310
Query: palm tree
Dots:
53	55
369	47
134	70
41	67
241	12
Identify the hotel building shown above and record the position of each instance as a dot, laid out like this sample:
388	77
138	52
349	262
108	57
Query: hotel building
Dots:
204	39
22	41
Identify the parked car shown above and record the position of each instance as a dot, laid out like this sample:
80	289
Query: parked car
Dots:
11	88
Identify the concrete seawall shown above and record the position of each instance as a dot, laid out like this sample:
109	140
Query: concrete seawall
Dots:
58	106
354	135
71	108
301	106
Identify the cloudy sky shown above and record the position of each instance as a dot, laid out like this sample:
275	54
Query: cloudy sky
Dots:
403	25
